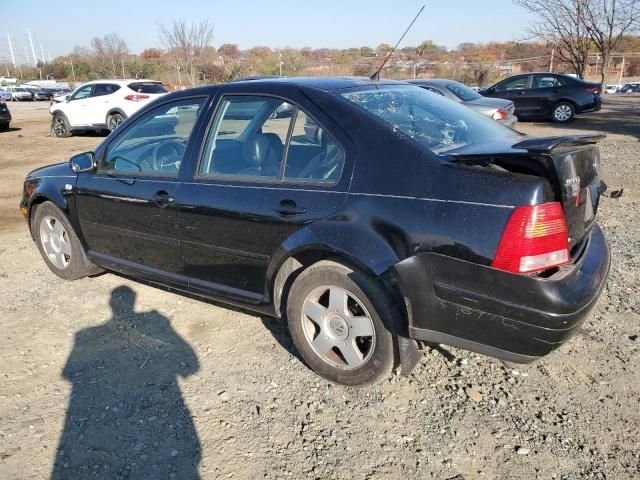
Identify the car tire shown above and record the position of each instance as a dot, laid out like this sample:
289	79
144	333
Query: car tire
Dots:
4	126
322	307
59	245
563	112
60	126
114	120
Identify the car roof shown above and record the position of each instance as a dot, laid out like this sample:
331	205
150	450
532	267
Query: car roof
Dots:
321	83
121	82
443	82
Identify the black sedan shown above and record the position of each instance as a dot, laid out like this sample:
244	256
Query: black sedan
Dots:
408	217
548	95
5	115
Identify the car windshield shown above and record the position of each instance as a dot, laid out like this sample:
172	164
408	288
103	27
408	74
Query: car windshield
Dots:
463	92
431	120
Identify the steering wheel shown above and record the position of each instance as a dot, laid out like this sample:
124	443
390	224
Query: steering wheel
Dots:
166	156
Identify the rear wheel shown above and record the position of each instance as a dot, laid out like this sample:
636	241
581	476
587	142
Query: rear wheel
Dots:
335	314
59	245
114	120
60	126
563	112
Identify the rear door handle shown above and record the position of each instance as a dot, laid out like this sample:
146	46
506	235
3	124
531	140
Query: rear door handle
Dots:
289	207
162	199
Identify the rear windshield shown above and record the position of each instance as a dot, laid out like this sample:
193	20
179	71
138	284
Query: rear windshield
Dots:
431	120
148	87
463	92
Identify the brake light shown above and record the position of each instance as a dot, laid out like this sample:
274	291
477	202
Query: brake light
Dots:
535	238
136	97
500	114
594	90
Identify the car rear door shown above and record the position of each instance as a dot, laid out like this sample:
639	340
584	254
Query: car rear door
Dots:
238	210
128	207
545	90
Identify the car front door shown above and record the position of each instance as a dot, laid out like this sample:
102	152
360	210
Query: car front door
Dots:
240	207
514	89
100	101
127	208
76	107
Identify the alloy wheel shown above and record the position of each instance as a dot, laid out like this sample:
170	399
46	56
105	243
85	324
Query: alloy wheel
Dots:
562	113
55	242
114	122
338	327
59	127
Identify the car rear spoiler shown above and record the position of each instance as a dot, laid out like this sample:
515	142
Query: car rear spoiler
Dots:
547	144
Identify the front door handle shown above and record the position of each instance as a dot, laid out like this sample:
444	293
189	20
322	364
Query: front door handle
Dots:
162	199
289	207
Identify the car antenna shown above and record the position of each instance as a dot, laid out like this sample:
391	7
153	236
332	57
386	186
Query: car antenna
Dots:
376	74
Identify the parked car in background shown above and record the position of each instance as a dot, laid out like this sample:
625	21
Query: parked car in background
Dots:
60	95
102	105
411	218
548	95
5	94
19	94
633	87
497	109
612	88
5	114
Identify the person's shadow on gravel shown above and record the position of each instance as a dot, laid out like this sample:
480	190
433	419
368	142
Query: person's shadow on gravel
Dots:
126	416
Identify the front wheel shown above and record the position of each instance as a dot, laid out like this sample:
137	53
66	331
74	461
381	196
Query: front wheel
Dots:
59	245
563	112
60	126
337	318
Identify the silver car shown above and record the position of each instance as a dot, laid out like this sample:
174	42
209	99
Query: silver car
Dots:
498	109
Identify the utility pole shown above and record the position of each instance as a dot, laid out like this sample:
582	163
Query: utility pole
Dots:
621	72
122	64
280	62
33	50
73	72
13	57
44	60
553	51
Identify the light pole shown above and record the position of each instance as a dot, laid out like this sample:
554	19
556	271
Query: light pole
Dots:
280	62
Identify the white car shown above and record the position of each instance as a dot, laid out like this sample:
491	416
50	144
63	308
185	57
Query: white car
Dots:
19	93
612	88
102	105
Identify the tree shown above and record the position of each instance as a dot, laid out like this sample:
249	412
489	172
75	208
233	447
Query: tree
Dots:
186	43
228	50
108	54
606	22
562	25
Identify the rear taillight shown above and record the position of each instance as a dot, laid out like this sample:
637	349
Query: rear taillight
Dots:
500	114
594	90
136	97
535	238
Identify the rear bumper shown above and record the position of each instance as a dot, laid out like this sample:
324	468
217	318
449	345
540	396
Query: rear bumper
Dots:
511	121
517	318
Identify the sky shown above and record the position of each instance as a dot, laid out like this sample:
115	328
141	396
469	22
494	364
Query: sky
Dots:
247	23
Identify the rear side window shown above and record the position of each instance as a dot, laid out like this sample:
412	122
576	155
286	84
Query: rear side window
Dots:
148	87
104	89
546	81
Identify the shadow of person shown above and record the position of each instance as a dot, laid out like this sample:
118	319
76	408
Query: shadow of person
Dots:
126	416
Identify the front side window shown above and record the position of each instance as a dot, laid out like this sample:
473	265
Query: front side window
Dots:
519	83
156	143
437	123
83	92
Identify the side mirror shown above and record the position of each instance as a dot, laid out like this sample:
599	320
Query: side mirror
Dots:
67	98
83	162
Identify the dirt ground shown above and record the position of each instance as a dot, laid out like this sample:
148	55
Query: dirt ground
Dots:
108	378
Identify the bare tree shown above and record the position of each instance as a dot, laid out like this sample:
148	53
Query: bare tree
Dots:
606	21
562	24
186	43
109	52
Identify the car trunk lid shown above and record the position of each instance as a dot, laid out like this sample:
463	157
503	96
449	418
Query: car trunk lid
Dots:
570	163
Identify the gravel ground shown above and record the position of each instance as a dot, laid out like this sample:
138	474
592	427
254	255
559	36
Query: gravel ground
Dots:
111	379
